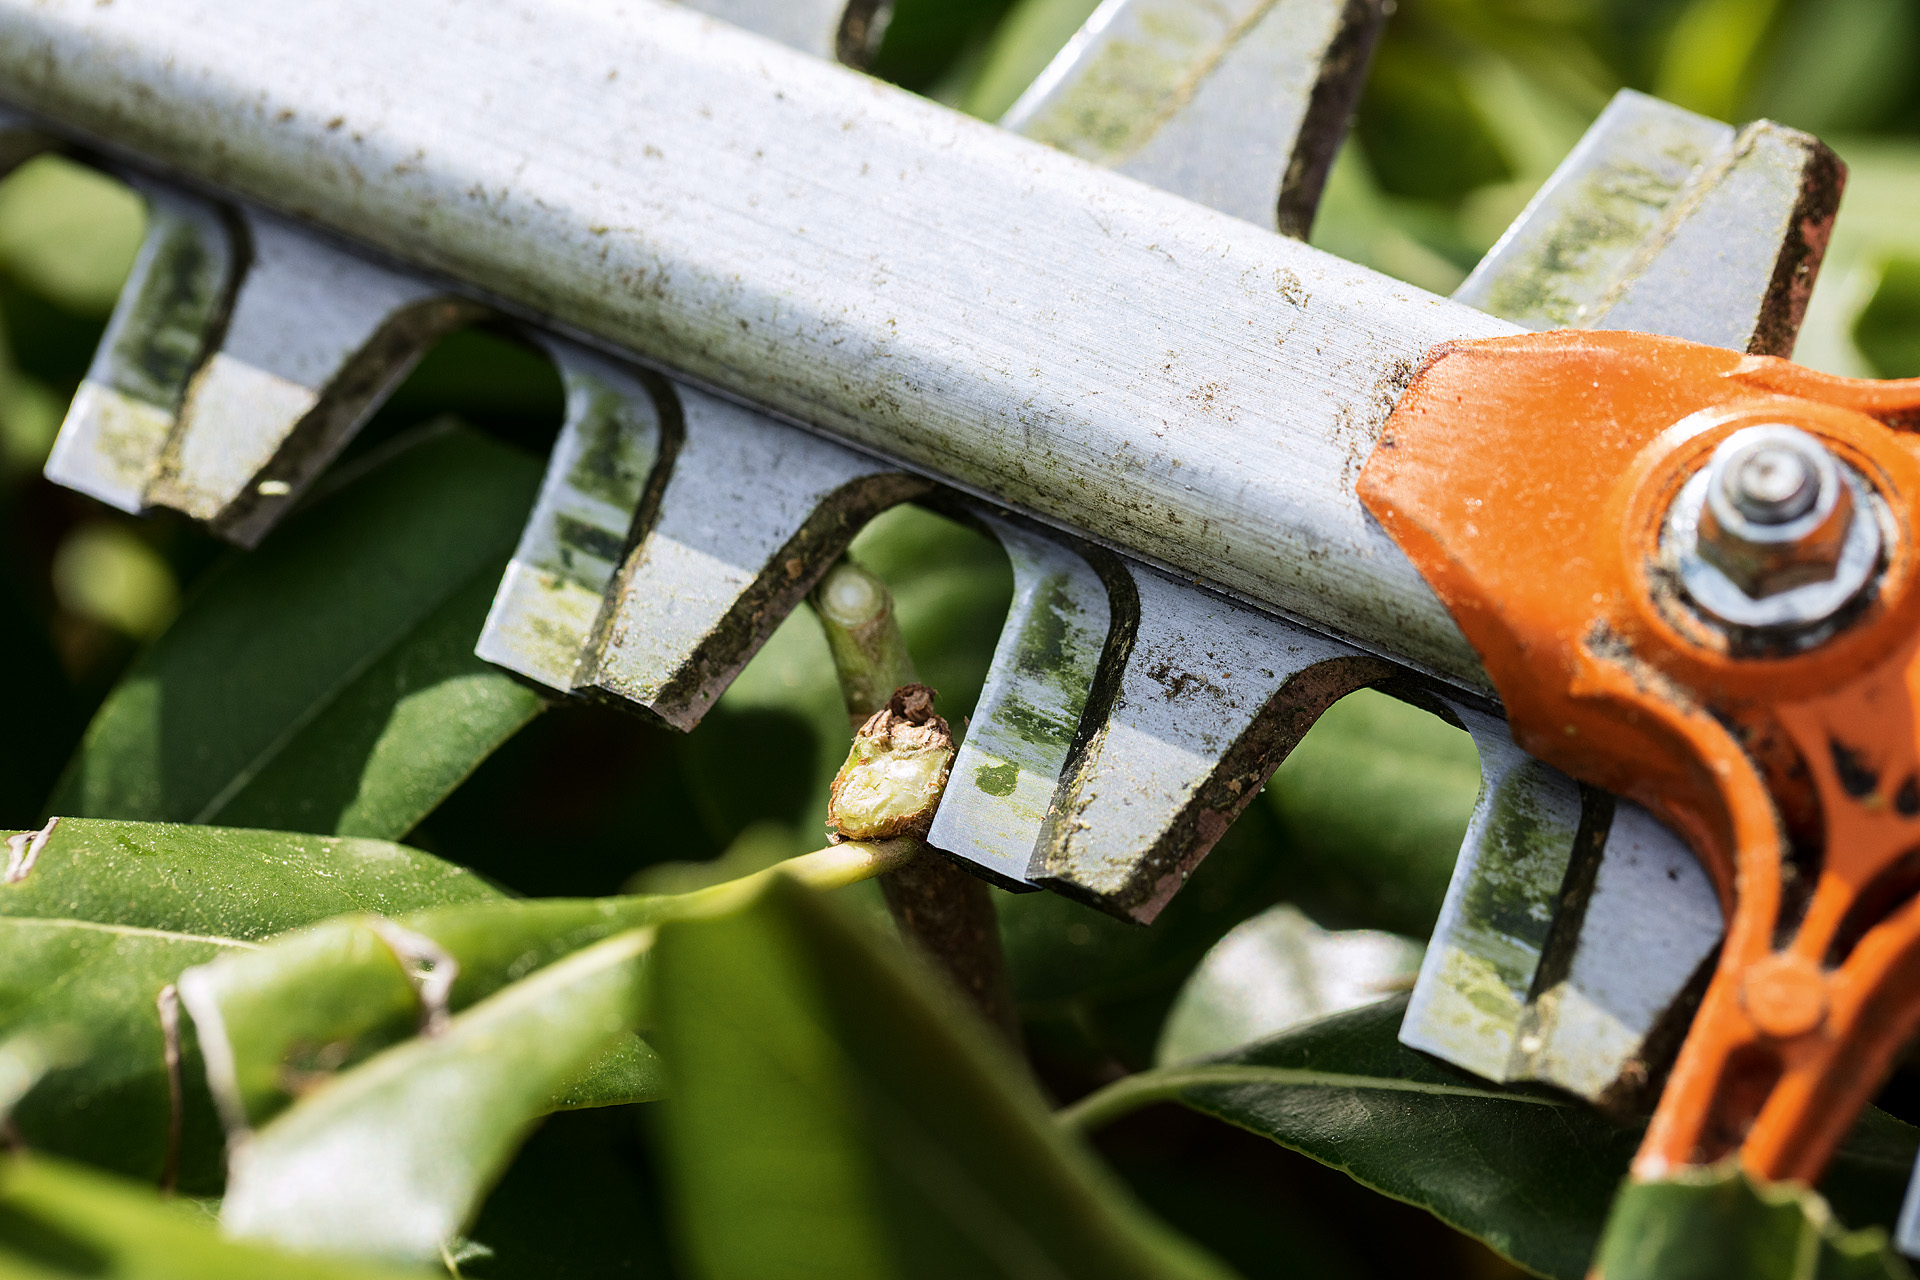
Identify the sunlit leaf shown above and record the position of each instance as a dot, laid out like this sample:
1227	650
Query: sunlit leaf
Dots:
1718	1224
110	914
391	1158
59	1219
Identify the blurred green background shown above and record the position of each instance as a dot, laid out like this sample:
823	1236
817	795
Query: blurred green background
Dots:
1470	105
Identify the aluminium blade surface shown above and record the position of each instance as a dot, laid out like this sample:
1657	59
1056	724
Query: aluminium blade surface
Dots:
1166	379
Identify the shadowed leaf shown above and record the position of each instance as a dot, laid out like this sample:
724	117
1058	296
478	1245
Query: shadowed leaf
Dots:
327	681
833	1113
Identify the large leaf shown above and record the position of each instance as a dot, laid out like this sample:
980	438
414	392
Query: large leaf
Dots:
1718	1224
110	913
61	1220
233	883
286	1016
391	1159
1529	1172
326	681
833	1112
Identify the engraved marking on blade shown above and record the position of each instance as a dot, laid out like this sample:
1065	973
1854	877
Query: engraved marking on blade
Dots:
1238	104
1479	968
573	542
116	429
318	336
1024	724
1201	710
752	514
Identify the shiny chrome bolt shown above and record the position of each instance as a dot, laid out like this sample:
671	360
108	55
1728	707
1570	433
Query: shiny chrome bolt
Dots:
1777	511
1771	482
1773	532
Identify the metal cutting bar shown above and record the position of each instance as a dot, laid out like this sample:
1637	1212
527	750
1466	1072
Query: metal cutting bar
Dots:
1166	379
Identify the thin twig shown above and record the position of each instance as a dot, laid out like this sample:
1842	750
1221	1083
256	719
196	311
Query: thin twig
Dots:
945	911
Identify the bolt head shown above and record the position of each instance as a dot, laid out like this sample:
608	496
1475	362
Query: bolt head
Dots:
1771	483
1777	510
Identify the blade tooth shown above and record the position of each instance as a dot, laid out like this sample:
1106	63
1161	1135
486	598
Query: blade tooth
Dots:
612	449
116	429
1480	965
1240	106
752	513
825	28
1603	1020
1663	221
1023	727
1571	931
1189	721
1737	264
317	337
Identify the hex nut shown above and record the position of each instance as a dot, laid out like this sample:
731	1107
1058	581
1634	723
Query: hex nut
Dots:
1777	511
1775	533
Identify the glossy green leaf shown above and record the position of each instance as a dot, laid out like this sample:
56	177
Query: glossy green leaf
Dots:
1718	1224
833	1112
59	1220
1529	1172
326	681
1276	971
234	883
110	913
392	1158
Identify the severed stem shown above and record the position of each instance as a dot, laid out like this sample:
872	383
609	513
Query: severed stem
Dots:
948	913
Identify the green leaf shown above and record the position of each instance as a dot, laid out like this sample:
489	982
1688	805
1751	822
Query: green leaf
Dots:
833	1112
391	1158
109	1104
58	1219
1719	1224
326	681
234	883
1529	1174
316	1001
110	913
1277	971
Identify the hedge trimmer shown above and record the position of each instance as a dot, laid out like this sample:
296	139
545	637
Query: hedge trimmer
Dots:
1585	508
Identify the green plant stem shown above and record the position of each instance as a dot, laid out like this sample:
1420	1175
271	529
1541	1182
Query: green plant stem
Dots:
945	911
1125	1096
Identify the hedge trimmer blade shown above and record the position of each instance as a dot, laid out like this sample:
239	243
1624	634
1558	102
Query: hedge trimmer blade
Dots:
784	297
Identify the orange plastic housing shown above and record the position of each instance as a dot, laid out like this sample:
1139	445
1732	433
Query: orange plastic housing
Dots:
1528	478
